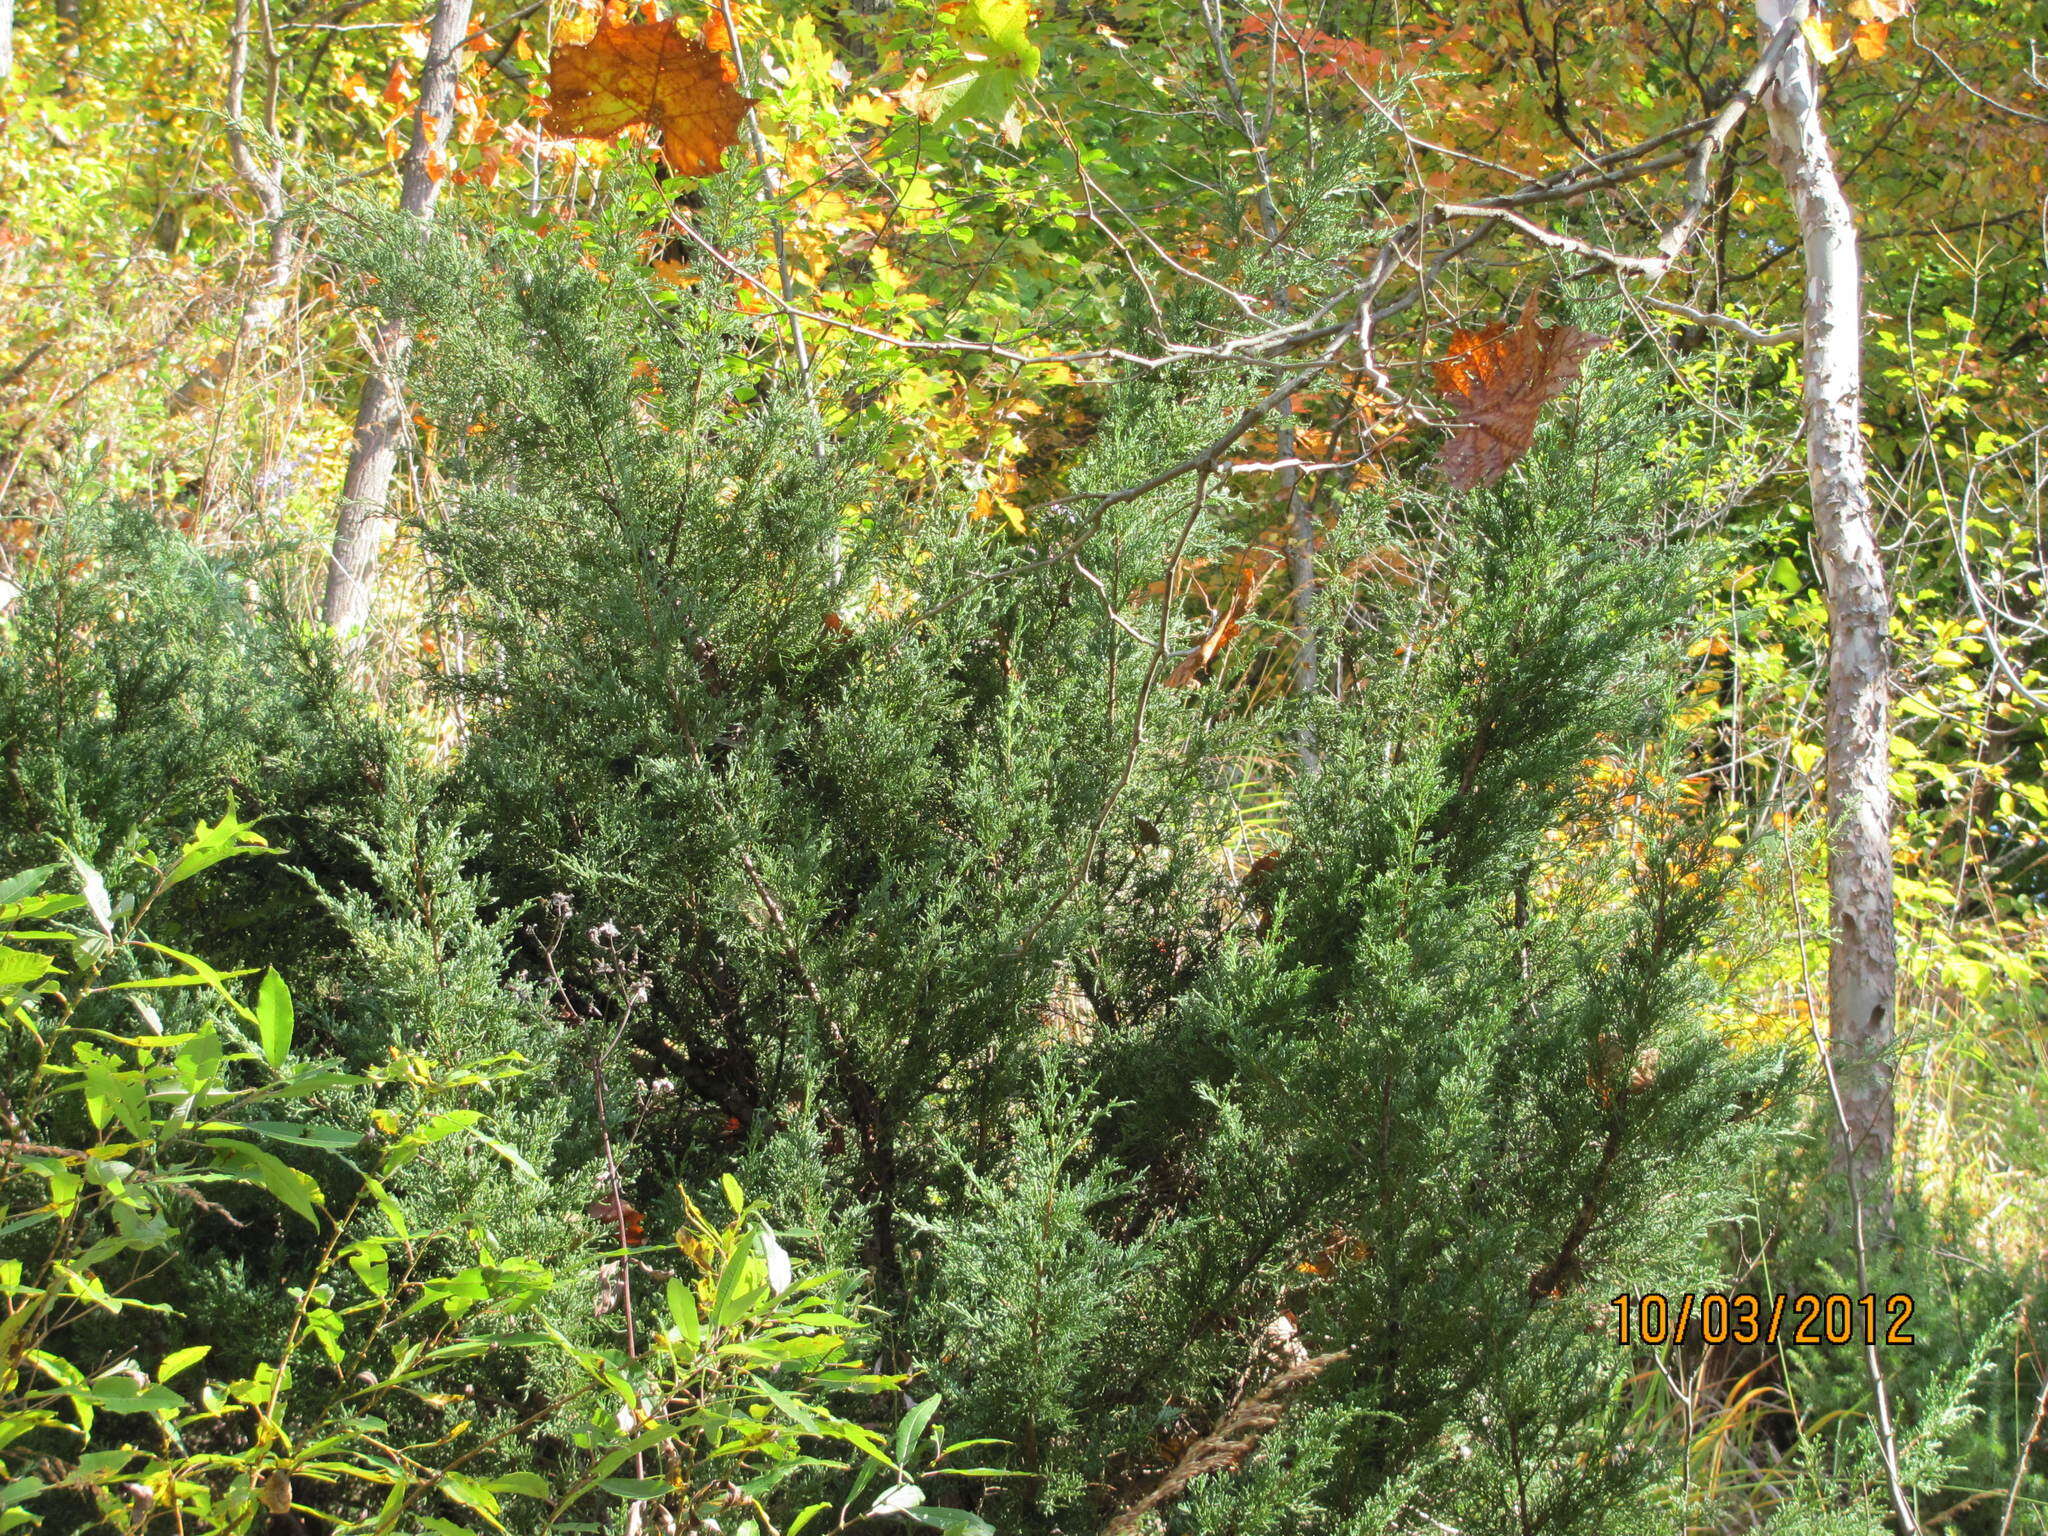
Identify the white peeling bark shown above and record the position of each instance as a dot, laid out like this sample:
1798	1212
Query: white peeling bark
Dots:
360	521
1862	964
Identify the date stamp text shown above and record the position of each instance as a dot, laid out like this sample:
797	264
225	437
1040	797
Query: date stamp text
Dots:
1718	1318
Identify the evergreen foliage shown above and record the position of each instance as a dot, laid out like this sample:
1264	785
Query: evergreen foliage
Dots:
1271	1186
962	694
144	684
910	842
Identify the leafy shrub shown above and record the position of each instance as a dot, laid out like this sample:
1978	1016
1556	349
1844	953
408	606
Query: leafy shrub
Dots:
144	1087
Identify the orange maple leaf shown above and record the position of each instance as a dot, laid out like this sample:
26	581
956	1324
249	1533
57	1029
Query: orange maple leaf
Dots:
634	73
1499	379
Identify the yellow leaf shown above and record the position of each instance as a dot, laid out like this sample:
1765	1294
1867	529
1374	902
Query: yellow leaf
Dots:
876	111
1822	37
1869	38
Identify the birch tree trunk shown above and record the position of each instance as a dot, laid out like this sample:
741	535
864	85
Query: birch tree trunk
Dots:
1862	962
6	38
360	521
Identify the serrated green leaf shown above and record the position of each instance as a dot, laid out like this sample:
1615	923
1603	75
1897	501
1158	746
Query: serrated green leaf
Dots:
21	968
208	845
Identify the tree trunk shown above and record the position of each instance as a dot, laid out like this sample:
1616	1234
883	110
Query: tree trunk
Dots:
1861	960
360	521
70	25
266	303
1299	536
6	38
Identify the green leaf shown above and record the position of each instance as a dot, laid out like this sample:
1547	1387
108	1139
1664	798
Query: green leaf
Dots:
26	883
202	974
442	1126
295	1189
912	1427
208	845
181	1359
19	968
334	1138
805	1518
471	1495
734	1295
513	1160
95	891
274	1017
959	1520
794	1409
635	1487
1005	23
682	1306
901	1499
120	1394
367	1259
733	1197
18	898
527	1484
46	905
1001	60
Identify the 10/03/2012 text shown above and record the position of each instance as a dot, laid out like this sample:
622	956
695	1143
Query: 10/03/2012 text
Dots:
1720	1318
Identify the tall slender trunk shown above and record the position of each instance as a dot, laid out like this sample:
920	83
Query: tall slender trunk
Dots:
1862	963
1299	533
268	300
70	27
360	521
6	38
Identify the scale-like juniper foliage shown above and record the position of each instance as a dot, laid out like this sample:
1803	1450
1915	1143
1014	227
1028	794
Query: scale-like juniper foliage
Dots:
904	839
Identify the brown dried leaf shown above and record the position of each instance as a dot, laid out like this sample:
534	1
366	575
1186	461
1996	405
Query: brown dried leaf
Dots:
275	1491
1500	379
646	72
618	1217
1225	622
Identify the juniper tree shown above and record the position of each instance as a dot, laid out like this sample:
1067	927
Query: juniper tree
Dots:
895	810
147	683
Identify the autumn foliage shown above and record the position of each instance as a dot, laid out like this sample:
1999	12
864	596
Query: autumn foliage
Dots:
1499	379
650	74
